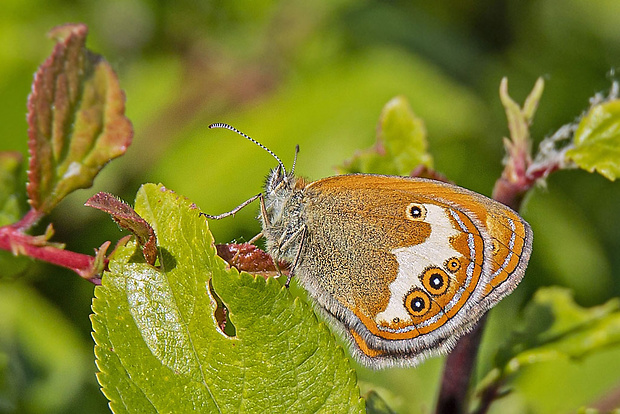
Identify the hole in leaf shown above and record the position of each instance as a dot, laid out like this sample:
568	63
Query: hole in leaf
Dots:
223	323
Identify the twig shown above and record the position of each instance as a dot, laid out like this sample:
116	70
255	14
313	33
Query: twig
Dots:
14	240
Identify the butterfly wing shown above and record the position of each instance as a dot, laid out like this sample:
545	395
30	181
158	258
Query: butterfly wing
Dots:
407	265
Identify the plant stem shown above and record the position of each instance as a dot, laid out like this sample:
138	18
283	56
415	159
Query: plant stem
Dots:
29	220
13	240
457	372
453	395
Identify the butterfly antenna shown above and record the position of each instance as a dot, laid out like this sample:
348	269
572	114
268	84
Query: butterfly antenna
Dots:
295	159
226	126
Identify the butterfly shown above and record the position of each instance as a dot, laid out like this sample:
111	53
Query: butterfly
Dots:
401	266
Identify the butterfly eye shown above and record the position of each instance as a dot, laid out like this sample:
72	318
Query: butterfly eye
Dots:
435	281
453	265
417	302
415	212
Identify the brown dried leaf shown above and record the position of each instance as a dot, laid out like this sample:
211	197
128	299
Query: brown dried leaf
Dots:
126	217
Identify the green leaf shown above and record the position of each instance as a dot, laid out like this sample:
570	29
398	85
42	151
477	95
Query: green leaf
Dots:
159	347
401	143
556	327
76	121
520	118
597	140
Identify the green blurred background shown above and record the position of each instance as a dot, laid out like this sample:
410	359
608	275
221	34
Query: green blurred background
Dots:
315	74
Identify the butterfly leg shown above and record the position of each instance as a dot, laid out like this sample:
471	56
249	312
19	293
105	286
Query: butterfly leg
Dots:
263	210
253	239
300	233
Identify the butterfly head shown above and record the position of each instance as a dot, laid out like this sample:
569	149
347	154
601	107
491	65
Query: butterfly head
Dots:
280	186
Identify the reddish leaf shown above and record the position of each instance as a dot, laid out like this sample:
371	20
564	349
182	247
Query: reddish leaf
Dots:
76	121
249	258
126	217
